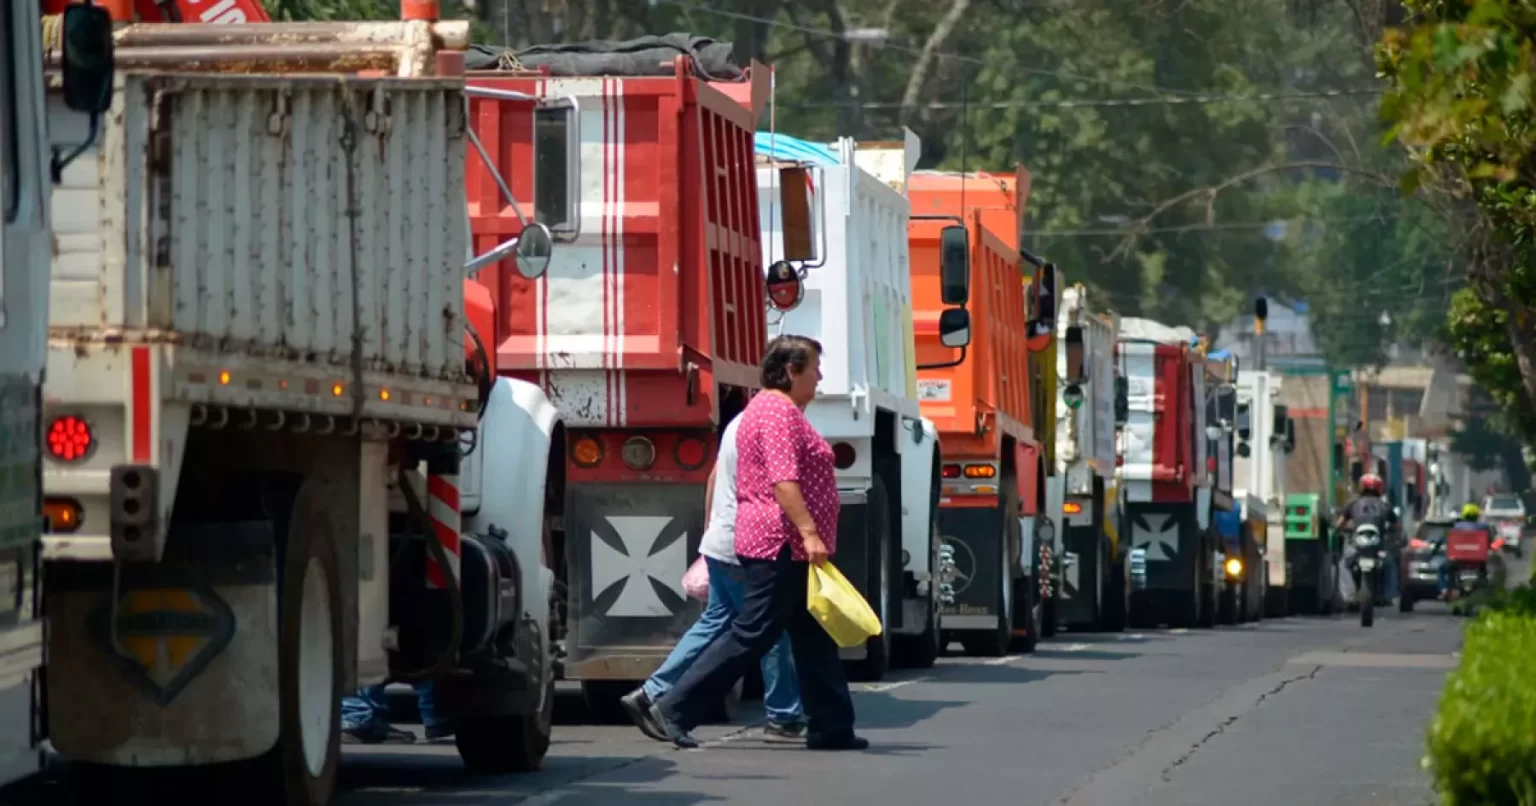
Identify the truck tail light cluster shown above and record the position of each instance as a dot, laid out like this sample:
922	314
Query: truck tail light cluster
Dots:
691	453
638	453
980	471
1072	508
843	455
587	452
69	438
950	471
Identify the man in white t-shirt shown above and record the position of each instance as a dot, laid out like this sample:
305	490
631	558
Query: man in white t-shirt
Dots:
781	691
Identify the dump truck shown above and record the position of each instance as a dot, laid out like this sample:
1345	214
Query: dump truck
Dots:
1093	596
1260	485
1238	580
1312	547
645	332
857	301
1167	483
991	509
262	370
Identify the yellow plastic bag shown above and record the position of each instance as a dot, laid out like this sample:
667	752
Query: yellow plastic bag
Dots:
835	603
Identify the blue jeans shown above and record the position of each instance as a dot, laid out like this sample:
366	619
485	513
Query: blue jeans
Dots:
369	709
781	690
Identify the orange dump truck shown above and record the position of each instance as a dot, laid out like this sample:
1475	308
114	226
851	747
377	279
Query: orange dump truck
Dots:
979	398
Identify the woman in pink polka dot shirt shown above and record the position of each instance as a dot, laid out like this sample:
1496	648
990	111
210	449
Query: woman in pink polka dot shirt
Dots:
786	517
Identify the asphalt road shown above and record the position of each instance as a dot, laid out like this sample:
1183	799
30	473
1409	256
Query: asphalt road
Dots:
1304	710
1315	711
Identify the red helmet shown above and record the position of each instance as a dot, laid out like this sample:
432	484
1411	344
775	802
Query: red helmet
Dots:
1371	483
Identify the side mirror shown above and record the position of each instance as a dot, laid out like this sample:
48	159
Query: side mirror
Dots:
557	169
1244	422
955	266
797	213
1077	372
87	59
1122	400
785	288
535	246
1045	299
955	327
1243	450
1290	435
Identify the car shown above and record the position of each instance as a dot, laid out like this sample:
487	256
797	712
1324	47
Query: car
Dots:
1422	558
1506	513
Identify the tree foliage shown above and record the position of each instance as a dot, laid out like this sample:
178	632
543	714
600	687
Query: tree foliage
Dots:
1461	100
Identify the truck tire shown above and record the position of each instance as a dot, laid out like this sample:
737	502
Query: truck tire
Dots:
309	662
601	699
1113	609
921	651
877	655
496	745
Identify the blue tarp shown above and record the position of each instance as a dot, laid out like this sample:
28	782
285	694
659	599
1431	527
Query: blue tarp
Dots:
793	149
1229	525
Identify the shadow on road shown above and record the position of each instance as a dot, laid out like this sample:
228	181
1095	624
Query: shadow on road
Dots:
883	710
1084	654
984	673
562	782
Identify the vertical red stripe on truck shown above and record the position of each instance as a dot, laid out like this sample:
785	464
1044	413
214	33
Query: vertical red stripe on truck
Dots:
143	433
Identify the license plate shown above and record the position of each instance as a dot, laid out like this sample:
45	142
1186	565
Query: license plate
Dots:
1367	564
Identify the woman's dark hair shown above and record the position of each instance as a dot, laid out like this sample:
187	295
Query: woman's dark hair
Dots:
782	353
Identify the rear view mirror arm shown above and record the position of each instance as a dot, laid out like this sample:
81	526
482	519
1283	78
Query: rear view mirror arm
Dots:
946	364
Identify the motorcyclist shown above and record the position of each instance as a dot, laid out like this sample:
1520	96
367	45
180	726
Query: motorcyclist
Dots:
1370	507
1470	513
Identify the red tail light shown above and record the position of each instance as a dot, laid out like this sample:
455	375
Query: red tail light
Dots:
843	455
69	438
951	471
691	453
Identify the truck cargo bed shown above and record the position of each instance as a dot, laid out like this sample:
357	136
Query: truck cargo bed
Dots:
282	242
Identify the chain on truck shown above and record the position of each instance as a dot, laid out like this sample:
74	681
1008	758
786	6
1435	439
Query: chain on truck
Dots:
267	398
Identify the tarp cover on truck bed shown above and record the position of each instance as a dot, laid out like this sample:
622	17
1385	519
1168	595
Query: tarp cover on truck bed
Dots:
646	56
1137	329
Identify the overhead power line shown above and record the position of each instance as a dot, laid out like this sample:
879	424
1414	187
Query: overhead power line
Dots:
1185	100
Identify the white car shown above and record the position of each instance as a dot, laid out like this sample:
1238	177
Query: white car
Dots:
1506	513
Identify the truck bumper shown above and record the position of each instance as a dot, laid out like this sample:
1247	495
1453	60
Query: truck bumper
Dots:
627	546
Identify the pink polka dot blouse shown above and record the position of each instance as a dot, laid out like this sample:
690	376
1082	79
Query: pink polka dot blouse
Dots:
775	443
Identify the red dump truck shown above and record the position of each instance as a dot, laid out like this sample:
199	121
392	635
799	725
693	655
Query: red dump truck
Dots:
1164	473
645	333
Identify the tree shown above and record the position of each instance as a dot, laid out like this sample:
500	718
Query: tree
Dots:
1461	101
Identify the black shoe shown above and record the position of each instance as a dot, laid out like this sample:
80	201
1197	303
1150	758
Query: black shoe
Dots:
845	742
682	738
638	705
386	734
784	731
440	731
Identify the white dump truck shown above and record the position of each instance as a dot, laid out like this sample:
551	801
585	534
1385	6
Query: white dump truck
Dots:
1093	595
257	339
858	304
1259	485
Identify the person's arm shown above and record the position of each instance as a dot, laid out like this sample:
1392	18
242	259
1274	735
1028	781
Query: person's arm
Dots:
792	501
709	494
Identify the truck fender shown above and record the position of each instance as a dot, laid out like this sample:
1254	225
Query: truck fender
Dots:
519	423
919	464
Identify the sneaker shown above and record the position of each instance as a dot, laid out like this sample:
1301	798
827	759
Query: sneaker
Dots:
638	705
784	731
440	732
844	742
682	738
384	734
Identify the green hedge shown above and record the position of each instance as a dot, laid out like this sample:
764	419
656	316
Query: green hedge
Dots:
1482	742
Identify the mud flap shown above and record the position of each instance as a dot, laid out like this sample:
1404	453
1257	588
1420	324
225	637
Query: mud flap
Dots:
1169	538
974	534
627	547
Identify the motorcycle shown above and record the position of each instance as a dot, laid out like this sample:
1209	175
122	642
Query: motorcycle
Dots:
1366	569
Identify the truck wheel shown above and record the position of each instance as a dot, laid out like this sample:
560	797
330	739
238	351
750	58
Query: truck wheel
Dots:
877	656
601	698
309	661
496	745
1113	608
1227	605
921	651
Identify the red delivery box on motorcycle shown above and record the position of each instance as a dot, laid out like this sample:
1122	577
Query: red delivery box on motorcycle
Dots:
1468	543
